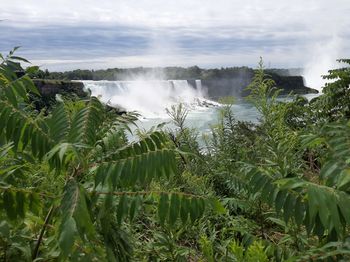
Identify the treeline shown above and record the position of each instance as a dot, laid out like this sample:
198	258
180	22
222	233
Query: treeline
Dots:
230	81
173	73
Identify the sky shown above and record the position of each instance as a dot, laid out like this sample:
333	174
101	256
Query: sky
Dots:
69	34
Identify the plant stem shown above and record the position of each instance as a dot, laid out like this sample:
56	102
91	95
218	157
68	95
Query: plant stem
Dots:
46	222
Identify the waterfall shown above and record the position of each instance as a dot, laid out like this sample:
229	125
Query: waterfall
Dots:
199	85
149	98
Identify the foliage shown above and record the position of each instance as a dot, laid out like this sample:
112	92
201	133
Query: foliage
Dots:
289	172
99	179
334	104
72	187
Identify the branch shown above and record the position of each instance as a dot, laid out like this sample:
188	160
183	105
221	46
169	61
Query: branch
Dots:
36	249
131	193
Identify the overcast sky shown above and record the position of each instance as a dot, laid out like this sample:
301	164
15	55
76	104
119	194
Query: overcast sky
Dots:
90	34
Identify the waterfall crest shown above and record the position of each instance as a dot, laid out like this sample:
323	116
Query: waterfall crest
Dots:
149	98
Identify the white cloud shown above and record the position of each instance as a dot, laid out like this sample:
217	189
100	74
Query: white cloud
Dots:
282	31
311	14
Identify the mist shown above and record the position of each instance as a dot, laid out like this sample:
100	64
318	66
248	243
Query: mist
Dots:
149	97
323	56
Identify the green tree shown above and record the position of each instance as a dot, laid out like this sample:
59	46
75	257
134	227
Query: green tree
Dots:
335	101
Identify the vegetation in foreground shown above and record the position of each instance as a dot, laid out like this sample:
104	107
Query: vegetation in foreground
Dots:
73	188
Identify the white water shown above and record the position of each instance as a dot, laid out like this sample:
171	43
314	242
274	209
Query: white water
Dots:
322	58
149	98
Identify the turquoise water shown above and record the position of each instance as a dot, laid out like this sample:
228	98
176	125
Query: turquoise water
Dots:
150	98
202	118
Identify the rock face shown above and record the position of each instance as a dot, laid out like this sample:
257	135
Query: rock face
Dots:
217	88
49	88
236	86
293	84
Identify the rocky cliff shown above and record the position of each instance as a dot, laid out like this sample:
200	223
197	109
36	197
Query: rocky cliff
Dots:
236	86
49	88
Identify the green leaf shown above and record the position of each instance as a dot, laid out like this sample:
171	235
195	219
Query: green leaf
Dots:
67	236
334	214
328	169
280	199
312	203
163	208
62	150
299	211
58	123
344	179
290	183
122	209
174	208
19	59
20	203
134	206
4	229
75	214
184	210
32	69
288	207
82	215
9	204
30	85
344	203
34	203
150	144
14	49
194	209
317	197
217	206
11	96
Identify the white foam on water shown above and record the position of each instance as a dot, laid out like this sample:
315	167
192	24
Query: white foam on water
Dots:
150	98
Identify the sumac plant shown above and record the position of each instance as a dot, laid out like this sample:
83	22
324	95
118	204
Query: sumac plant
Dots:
69	179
